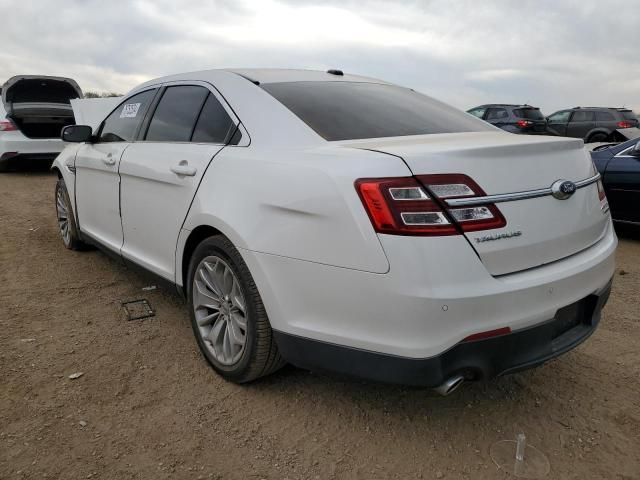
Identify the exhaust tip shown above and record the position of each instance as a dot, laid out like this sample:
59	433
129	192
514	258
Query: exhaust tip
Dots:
450	385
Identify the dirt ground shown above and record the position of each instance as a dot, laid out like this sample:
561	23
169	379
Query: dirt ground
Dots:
148	406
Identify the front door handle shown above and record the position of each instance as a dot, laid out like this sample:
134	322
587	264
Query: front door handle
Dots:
109	160
184	169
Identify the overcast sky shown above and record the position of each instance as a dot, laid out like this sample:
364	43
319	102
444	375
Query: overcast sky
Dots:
552	54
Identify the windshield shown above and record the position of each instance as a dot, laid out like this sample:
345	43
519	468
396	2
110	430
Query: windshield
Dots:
354	110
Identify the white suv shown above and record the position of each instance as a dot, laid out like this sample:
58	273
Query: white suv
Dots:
33	111
342	223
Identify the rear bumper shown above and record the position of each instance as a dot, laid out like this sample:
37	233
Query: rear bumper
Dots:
15	143
14	158
519	350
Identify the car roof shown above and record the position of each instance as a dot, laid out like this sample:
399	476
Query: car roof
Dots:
617	109
488	105
265	76
278	75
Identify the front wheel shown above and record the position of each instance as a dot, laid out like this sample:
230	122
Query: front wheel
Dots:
227	315
66	220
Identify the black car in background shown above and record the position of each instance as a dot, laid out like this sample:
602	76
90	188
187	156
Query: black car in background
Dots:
619	166
592	124
512	118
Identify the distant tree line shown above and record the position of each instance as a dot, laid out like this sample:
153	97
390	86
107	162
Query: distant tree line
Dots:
101	95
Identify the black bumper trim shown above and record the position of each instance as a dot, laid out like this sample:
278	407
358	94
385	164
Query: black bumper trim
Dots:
481	359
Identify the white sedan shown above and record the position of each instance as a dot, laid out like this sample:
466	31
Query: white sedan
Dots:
345	224
33	111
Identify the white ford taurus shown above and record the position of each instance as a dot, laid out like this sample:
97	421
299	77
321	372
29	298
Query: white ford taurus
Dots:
345	224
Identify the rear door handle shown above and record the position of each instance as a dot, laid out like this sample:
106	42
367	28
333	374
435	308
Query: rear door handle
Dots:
109	160
184	169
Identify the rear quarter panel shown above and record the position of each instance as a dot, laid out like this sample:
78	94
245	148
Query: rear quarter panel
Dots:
295	203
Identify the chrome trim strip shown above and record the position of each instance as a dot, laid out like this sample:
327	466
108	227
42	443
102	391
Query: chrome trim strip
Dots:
510	197
587	181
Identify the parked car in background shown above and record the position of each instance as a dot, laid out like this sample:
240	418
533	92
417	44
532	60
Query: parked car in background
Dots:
512	118
33	111
619	165
592	124
339	222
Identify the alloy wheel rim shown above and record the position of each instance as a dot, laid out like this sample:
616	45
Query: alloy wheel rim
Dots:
63	217
220	310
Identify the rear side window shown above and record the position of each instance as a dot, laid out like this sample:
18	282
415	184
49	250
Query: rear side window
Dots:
629	115
176	114
214	124
529	113
354	110
497	114
582	116
604	117
122	124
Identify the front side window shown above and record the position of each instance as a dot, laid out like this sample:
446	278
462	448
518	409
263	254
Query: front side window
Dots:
122	124
355	110
176	114
478	112
560	117
582	116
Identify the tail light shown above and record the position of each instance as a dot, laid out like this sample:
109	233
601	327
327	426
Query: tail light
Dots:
604	203
414	205
7	126
625	124
524	123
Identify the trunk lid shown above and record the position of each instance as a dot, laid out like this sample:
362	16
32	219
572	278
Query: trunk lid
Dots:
22	91
538	230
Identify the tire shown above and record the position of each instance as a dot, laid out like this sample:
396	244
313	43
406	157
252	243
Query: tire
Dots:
66	219
219	278
598	137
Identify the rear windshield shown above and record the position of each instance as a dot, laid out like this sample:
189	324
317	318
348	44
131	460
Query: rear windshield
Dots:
529	113
354	110
629	115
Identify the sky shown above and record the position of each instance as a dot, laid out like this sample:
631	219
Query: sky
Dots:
551	54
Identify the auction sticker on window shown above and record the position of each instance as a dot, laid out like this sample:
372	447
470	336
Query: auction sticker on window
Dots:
130	110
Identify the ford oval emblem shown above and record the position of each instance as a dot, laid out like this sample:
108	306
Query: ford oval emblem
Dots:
563	189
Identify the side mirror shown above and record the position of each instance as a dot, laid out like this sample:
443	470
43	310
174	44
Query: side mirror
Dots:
77	133
635	151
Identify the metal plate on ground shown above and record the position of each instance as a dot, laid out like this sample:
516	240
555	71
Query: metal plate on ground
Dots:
138	309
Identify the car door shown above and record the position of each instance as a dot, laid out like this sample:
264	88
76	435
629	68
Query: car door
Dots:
97	189
557	122
622	185
581	123
161	173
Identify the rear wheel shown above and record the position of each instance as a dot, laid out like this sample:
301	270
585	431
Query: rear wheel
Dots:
598	137
227	315
66	220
